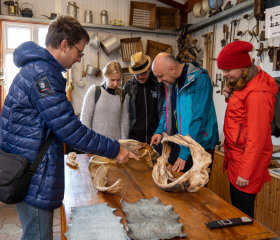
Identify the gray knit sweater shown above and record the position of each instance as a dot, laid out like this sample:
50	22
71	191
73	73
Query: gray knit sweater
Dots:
108	117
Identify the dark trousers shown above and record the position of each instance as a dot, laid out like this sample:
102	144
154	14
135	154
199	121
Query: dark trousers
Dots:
175	150
243	201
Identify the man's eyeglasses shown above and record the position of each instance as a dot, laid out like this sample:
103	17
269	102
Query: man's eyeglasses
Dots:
81	54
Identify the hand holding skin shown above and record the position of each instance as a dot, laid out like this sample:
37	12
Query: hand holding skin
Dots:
179	165
226	92
242	182
156	139
124	155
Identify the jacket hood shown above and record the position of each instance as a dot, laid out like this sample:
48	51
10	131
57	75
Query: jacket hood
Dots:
193	71
30	51
262	82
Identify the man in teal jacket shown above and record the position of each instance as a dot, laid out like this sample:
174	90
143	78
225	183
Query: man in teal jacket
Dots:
189	109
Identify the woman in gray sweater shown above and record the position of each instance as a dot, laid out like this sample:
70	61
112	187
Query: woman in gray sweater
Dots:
109	114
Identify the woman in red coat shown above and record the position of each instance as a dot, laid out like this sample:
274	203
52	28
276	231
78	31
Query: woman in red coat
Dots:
247	127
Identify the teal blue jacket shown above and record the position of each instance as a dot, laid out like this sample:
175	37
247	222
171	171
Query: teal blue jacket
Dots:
193	110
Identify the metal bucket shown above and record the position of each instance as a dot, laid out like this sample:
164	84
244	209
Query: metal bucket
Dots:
94	42
110	45
91	70
72	9
88	16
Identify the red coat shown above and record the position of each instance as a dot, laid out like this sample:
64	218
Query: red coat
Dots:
247	129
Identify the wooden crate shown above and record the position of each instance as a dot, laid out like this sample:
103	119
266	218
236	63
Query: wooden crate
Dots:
142	15
168	18
126	75
130	46
153	48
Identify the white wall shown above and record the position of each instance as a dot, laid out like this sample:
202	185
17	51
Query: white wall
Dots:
243	25
117	9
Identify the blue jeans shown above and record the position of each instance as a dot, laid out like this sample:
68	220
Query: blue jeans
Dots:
36	223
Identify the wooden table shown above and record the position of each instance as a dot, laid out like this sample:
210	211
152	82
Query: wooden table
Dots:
194	209
267	207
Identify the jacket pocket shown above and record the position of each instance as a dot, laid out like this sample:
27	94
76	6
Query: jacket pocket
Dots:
240	140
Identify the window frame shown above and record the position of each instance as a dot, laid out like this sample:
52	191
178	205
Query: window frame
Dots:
4	50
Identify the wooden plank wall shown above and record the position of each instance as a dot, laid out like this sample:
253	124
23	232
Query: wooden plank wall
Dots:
267	205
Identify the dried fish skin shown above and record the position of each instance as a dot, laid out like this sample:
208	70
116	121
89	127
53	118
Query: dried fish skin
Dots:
95	222
192	180
149	219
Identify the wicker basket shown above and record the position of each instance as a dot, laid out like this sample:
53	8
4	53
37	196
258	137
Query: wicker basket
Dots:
142	15
130	46
168	18
153	48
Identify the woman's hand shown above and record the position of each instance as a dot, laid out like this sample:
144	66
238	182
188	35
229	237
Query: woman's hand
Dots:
242	182
226	92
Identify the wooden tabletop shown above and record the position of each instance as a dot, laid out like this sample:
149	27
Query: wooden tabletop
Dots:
194	209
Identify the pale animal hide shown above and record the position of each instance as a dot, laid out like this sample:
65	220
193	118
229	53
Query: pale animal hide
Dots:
95	222
149	219
193	179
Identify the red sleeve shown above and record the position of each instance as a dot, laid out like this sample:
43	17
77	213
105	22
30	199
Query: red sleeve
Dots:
259	110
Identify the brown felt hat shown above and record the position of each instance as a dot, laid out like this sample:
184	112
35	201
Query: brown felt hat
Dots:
139	63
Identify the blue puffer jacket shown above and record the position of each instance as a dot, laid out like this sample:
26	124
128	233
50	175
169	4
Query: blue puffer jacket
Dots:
192	109
35	105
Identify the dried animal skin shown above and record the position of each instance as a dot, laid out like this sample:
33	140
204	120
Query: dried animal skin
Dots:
141	150
100	180
95	222
70	160
149	219
193	179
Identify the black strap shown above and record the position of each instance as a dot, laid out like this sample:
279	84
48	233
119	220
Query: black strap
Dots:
97	93
40	155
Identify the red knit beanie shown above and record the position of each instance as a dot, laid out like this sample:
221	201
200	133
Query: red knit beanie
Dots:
235	55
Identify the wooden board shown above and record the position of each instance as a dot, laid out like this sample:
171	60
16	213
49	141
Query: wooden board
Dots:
168	18
153	48
194	209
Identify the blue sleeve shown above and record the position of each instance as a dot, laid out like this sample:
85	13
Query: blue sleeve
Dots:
162	123
58	114
201	104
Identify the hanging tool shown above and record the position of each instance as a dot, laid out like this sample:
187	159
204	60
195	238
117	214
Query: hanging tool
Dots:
223	41
234	22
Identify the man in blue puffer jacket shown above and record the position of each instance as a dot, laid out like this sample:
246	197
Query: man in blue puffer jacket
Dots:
191	109
37	104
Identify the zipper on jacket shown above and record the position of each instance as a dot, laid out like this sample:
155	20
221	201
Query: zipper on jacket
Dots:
240	126
146	113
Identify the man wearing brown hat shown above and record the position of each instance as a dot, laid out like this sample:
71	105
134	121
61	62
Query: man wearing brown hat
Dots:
146	99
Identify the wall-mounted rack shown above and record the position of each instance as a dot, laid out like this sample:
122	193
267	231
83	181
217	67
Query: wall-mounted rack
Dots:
235	10
92	25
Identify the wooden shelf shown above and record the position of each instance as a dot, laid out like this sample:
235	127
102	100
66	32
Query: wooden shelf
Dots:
233	11
92	25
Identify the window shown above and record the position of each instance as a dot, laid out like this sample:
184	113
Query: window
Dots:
13	35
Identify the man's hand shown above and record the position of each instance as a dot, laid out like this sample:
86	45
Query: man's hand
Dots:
242	182
156	139
179	165
124	155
